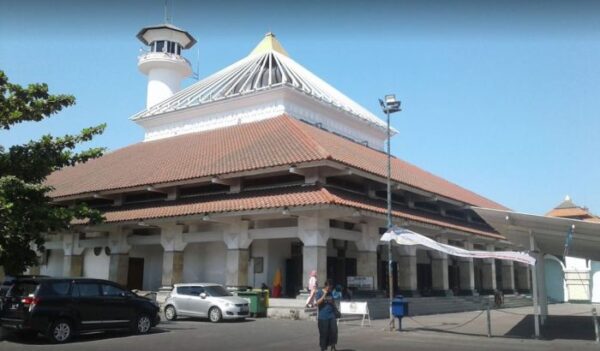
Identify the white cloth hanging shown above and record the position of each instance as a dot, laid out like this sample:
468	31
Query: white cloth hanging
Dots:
404	236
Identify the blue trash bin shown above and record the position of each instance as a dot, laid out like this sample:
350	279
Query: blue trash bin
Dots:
399	309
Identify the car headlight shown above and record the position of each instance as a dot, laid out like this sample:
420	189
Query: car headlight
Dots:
227	304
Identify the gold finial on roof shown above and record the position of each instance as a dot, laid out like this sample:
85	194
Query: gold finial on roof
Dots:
269	43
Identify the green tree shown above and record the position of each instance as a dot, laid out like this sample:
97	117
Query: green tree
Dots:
26	209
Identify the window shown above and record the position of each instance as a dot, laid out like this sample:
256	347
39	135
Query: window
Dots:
55	289
111	290
86	290
184	290
190	290
171	47
159	46
22	289
203	190
217	290
144	197
196	290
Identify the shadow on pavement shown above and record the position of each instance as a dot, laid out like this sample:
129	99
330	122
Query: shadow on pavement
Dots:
30	339
205	320
557	327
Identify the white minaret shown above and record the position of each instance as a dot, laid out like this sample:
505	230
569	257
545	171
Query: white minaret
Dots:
163	63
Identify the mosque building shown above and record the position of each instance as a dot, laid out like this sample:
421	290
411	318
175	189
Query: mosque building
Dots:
258	168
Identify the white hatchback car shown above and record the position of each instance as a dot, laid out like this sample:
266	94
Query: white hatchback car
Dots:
204	300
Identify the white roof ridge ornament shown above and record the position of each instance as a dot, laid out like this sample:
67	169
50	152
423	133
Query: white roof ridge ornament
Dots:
268	44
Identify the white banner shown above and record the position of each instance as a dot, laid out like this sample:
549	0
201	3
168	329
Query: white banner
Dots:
407	237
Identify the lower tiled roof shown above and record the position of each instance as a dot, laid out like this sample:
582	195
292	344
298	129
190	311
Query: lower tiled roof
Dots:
297	196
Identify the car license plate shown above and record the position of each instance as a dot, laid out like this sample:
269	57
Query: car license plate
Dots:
14	306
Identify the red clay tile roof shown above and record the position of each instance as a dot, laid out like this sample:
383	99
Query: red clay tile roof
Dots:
273	142
297	196
569	212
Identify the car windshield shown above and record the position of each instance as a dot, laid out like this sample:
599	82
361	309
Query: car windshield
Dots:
216	290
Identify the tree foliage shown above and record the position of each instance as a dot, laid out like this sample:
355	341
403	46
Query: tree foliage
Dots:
26	209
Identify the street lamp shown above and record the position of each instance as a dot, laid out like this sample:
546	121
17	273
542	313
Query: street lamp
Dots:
389	105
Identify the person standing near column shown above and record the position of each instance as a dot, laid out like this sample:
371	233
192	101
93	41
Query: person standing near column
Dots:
312	287
326	318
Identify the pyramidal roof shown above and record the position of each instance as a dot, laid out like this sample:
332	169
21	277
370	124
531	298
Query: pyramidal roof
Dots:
268	66
567	203
568	209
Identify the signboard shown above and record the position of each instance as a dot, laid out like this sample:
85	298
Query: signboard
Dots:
356	308
360	282
353	307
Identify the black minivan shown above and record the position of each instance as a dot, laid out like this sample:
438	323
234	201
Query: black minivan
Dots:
63	307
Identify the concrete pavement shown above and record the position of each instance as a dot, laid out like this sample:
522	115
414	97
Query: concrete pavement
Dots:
270	334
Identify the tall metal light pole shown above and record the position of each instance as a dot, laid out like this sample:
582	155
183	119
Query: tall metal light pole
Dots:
390	105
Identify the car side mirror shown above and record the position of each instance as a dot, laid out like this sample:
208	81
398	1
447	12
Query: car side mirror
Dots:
202	295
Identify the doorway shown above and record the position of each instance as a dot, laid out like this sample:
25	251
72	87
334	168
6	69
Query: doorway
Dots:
424	279
293	271
135	273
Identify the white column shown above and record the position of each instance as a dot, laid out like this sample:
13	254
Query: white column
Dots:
237	240
407	270
466	272
171	239
488	270
508	277
73	258
366	264
541	283
439	271
314	233
119	255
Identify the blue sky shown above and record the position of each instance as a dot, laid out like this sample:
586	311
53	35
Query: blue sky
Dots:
502	98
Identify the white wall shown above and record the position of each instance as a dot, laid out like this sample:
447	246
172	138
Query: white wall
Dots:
54	267
153	260
258	248
576	263
95	266
205	262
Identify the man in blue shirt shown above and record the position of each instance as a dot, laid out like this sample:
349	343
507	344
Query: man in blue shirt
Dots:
326	317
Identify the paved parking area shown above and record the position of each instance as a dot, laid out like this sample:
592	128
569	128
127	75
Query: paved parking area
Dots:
269	334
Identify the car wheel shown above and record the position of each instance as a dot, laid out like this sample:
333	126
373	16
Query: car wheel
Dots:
170	313
143	324
215	315
60	331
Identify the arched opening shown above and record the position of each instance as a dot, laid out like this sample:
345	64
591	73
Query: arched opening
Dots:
554	278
